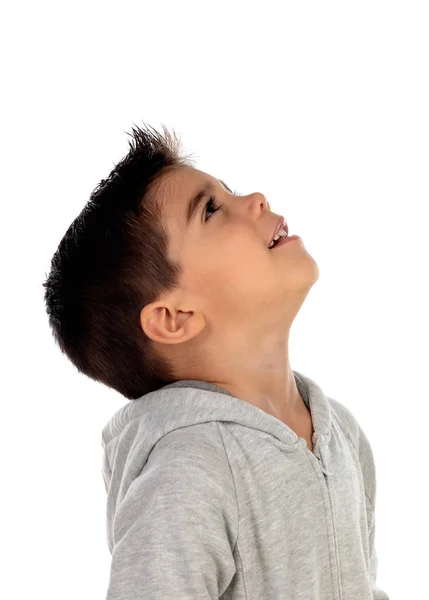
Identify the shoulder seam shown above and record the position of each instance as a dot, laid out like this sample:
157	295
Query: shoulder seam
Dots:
233	480
370	502
357	453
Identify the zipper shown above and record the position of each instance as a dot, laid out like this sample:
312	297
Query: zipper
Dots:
319	457
322	466
327	474
320	460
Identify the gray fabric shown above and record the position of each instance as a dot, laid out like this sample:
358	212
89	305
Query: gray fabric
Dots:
209	497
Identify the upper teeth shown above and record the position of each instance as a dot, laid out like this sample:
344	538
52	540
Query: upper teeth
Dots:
281	233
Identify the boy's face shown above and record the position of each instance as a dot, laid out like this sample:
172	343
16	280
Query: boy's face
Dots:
234	289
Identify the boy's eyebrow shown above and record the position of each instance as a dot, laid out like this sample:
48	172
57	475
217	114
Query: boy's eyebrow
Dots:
195	201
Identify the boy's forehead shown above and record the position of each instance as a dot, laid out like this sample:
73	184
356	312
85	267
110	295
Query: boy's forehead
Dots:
173	192
178	186
181	181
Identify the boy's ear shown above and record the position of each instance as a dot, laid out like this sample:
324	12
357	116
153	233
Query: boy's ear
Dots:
166	325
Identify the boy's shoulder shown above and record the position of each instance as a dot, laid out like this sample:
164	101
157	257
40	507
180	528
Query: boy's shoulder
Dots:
193	459
345	417
349	424
357	436
199	440
198	447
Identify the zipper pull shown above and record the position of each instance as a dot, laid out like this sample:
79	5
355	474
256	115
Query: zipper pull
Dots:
326	472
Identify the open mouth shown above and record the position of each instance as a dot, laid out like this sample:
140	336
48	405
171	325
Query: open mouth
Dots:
280	235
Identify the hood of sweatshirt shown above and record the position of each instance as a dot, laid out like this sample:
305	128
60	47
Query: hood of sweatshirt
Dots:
242	451
131	434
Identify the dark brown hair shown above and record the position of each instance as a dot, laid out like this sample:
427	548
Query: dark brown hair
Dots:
111	262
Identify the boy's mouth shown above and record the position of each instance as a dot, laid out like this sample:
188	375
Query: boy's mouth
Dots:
280	232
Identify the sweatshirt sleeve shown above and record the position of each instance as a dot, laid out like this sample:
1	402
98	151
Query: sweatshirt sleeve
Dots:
377	594
175	530
367	463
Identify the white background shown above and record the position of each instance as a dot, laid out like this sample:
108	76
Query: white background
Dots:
323	107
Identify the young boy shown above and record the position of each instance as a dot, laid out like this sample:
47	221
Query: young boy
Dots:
228	475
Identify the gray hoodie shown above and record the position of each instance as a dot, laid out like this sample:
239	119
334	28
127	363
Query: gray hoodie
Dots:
210	497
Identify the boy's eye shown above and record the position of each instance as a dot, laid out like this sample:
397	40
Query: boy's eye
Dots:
215	207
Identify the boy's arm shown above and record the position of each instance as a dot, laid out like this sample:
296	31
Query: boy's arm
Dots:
367	463
377	594
175	530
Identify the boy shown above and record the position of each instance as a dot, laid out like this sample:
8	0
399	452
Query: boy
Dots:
228	475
